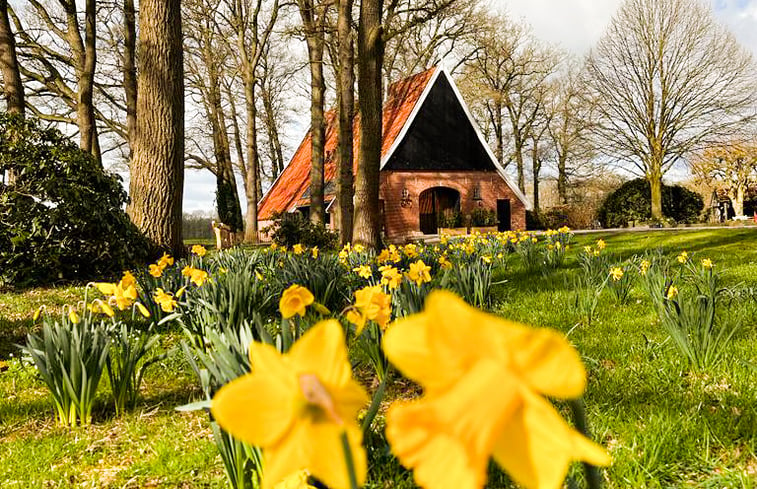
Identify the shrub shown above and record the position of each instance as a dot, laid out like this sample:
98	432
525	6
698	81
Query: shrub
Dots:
449	219
61	218
483	217
632	202
291	228
533	221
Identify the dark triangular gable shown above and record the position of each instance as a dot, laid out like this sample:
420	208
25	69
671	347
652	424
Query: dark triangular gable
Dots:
440	137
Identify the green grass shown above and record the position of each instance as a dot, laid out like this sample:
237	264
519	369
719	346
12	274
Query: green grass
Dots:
664	425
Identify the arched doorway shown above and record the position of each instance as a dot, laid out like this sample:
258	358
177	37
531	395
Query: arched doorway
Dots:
435	201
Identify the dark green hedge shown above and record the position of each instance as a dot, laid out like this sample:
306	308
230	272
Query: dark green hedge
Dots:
632	202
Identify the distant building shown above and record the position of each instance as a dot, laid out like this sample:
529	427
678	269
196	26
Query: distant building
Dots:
434	159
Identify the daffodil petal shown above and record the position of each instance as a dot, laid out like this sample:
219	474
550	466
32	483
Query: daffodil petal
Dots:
327	461
546	361
283	459
322	349
537	446
255	408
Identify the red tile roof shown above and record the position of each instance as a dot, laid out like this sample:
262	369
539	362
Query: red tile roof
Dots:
287	190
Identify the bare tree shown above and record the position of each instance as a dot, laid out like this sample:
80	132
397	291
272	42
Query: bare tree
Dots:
157	170
668	78
730	166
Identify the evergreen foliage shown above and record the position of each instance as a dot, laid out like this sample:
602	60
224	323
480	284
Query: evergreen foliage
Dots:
61	214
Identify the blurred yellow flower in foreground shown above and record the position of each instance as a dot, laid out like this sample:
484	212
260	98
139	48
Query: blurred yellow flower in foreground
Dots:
199	250
295	300
296	406
371	304
483	380
419	273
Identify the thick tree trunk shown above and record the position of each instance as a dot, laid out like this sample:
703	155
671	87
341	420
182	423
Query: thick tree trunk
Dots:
499	151
130	72
157	170
12	86
346	99
738	201
315	43
655	186
367	224
274	141
521	166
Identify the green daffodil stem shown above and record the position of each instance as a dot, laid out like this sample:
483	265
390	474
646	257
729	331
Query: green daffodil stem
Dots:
349	462
378	396
593	476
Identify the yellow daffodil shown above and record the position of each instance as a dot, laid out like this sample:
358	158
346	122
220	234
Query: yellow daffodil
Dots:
165	261
364	271
644	266
588	250
462	356
105	288
199	250
671	293
37	313
419	273
564	230
616	273
486	259
156	271
297	480
358	248
296	406
707	263
128	280
343	255
99	307
444	263
383	256
142	310
165	300
295	300
558	245
390	276
683	257
371	304
259	275
601	244
314	251
124	297
196	276
72	316
410	250
298	249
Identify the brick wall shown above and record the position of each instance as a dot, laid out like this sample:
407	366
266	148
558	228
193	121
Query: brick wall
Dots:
401	219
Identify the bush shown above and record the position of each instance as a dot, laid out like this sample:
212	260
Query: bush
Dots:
483	217
533	221
62	216
449	218
291	228
632	202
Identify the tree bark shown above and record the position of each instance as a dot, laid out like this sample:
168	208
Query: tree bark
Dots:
157	171
367	225
315	45
12	86
536	170
655	186
562	178
346	99
130	71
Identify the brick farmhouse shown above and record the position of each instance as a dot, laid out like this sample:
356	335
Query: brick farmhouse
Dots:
434	159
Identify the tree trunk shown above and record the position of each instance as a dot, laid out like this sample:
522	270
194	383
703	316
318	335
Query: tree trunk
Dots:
519	162
346	99
315	43
655	186
367	224
277	155
85	60
738	202
536	169
157	171
12	86
253	172
562	179
130	72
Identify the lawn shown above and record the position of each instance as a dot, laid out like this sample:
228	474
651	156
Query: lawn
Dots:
664	424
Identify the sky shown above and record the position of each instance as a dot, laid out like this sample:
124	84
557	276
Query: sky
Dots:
573	25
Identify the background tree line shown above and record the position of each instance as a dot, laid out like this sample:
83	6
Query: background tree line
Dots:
163	85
